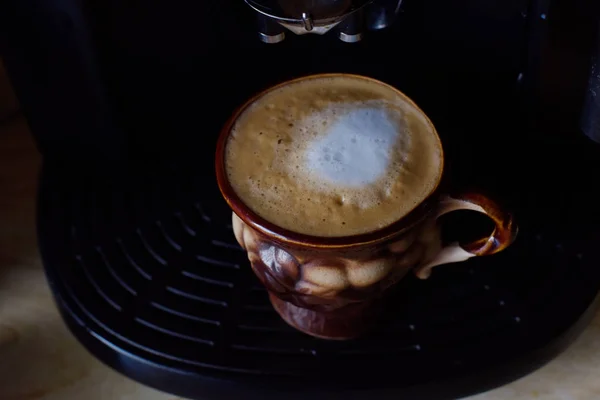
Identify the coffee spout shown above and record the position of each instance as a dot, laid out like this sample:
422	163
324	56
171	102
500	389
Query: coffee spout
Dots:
308	26
308	22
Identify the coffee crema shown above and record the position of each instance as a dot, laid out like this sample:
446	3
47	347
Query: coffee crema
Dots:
333	156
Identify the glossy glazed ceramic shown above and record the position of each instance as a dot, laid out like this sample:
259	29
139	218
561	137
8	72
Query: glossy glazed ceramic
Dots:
330	287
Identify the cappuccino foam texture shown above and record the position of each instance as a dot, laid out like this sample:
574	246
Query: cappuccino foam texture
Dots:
353	153
332	156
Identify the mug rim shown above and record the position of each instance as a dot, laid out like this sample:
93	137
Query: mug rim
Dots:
288	237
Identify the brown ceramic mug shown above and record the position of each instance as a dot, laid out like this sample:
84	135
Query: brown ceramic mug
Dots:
329	286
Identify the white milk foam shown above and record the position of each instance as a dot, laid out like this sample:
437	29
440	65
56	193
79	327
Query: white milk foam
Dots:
352	151
355	151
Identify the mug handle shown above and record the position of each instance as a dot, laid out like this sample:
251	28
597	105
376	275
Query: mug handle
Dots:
504	233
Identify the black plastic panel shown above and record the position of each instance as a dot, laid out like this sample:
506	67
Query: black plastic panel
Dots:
131	73
147	274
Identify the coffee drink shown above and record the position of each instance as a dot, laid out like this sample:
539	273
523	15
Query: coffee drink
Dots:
333	156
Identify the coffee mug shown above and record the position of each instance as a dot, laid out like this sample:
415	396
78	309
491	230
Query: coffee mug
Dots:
336	187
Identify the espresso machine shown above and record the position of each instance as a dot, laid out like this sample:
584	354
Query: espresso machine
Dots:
126	99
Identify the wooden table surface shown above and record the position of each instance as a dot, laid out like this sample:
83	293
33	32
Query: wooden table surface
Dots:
40	360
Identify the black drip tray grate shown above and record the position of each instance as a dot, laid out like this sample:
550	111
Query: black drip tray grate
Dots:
148	276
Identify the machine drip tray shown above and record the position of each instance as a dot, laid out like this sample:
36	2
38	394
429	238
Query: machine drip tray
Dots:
147	275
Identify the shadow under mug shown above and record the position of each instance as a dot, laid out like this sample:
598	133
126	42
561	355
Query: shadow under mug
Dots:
330	287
